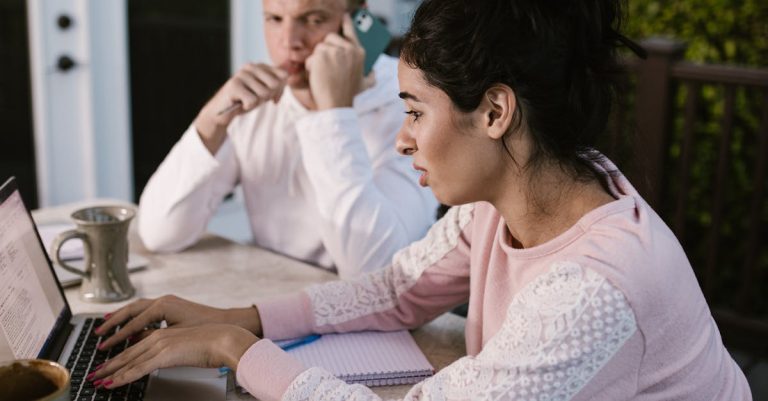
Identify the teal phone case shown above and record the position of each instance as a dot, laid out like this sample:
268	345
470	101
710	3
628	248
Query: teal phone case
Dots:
373	36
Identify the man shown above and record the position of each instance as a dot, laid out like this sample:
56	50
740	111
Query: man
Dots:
311	141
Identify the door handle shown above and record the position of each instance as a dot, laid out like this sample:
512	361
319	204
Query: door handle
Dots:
65	63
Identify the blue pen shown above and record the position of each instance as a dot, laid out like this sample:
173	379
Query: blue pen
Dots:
290	344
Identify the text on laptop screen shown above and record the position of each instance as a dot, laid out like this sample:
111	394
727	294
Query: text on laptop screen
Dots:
30	300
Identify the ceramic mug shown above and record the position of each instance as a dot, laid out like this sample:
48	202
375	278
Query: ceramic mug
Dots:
33	380
104	232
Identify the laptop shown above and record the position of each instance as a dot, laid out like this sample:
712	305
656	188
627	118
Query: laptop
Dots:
37	322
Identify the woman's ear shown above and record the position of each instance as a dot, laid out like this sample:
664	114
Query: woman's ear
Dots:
498	107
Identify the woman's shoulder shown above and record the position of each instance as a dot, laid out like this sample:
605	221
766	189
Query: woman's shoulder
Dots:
637	252
630	231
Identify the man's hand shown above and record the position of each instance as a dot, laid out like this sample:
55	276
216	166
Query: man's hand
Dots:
336	68
250	87
139	317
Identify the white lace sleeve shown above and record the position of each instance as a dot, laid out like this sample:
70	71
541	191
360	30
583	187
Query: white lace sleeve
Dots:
341	301
559	331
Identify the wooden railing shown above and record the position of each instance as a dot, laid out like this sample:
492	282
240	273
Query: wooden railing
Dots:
684	159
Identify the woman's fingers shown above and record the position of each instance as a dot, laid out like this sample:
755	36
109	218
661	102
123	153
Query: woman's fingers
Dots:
160	349
131	374
123	314
144	364
144	334
119	371
151	314
119	361
202	346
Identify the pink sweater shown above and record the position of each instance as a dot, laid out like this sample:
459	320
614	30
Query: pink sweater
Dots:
609	310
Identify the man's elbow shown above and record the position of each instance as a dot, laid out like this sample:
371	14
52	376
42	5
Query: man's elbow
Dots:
163	240
349	274
352	270
379	259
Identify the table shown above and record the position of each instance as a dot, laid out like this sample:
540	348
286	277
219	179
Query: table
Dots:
222	273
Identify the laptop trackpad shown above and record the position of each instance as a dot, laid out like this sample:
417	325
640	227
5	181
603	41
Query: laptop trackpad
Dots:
188	384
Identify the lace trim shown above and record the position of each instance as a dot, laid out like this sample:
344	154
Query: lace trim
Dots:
341	301
559	331
317	384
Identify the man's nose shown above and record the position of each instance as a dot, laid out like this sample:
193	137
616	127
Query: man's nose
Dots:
405	144
293	35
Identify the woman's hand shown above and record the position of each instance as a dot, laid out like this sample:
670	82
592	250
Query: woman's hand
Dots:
207	346
177	313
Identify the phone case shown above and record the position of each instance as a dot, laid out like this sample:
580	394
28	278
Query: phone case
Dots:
373	36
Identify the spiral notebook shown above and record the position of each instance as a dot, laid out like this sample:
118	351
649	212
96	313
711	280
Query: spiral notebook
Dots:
370	358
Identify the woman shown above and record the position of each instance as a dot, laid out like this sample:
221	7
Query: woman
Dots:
576	288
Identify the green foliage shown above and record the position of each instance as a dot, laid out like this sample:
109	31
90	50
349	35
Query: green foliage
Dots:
716	32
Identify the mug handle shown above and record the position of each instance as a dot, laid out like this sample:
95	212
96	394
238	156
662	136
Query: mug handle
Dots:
56	249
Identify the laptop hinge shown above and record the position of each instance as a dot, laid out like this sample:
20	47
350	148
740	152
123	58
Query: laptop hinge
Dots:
57	346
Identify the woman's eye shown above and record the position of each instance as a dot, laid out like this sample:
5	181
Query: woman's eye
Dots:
413	113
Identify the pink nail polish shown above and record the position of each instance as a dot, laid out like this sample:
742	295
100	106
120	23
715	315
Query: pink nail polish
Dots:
107	383
101	346
98	367
106	316
90	376
97	382
97	330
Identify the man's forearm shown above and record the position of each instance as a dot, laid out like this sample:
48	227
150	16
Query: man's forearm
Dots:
212	134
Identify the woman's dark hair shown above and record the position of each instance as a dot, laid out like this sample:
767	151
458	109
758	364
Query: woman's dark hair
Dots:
559	57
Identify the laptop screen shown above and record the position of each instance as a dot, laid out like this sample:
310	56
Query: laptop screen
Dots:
31	302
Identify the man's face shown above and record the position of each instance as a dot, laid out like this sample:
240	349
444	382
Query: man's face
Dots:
292	28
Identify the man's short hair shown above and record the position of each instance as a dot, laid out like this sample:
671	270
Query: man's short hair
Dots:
354	4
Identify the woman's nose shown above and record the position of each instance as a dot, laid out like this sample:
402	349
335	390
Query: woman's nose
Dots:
405	144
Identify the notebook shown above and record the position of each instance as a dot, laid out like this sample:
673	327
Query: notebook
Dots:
37	322
371	358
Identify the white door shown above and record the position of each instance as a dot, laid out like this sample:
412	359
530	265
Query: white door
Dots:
81	93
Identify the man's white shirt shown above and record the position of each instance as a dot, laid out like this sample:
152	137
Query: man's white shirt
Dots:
325	187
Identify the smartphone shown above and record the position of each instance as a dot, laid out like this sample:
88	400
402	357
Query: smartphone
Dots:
372	34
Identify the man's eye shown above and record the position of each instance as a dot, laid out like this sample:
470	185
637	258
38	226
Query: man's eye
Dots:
316	21
413	113
273	18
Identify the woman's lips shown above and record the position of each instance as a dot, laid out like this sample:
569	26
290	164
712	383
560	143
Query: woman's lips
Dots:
424	175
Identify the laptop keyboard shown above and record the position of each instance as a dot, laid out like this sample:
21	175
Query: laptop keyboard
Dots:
86	356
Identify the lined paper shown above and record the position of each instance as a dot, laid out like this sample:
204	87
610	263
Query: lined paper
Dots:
370	357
